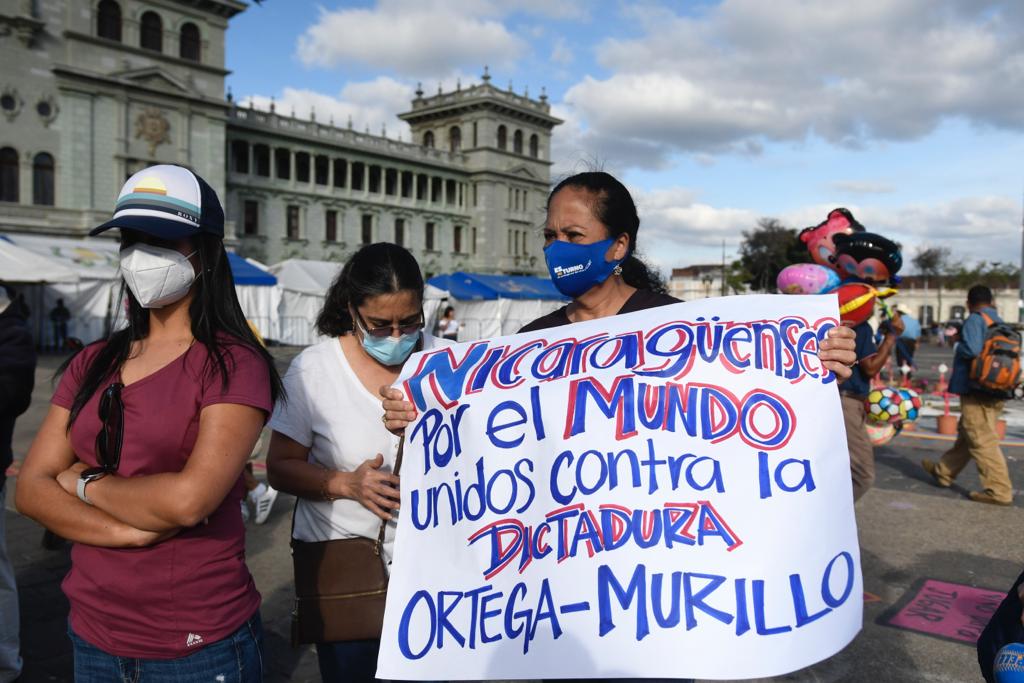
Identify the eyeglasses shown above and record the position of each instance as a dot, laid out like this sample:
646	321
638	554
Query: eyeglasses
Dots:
385	330
111	436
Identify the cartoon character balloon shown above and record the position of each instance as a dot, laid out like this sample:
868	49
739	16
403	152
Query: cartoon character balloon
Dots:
806	278
867	256
820	238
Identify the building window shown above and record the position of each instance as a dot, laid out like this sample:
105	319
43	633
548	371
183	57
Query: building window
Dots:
302	167
474	195
261	160
251	217
457	239
455	139
340	172
42	179
429	245
957	313
293	222
240	156
435	189
358	173
188	46
367	229
502	137
400	232
282	163
421	187
108	20
534	146
428	139
474	135
926	315
517	142
390	181
474	240
321	169
449	192
406	184
8	174
151	32
331	225
374	184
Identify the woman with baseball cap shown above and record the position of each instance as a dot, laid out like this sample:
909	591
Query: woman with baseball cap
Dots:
139	459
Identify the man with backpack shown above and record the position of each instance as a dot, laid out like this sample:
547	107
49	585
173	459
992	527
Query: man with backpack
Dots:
986	368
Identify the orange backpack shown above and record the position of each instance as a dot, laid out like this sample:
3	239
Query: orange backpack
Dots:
996	369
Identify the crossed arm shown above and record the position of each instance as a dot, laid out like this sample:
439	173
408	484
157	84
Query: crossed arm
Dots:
135	511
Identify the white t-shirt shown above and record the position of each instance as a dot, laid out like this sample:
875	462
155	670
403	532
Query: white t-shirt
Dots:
330	411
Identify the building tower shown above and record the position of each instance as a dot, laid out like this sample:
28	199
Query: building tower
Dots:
505	140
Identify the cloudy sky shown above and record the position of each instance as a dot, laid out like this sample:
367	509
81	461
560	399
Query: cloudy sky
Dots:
714	112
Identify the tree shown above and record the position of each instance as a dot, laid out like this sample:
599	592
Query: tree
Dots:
768	249
933	263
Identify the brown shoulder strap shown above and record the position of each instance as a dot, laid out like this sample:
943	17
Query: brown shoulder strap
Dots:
384	523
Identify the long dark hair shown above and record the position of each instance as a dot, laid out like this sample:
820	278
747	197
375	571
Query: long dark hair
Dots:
214	311
614	207
381	268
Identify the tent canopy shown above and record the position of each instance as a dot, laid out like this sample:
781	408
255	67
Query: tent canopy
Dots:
21	265
480	287
307	277
246	273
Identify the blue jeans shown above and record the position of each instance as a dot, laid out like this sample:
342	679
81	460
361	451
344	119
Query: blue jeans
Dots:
351	660
235	659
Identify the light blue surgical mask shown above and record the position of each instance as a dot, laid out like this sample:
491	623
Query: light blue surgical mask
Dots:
391	350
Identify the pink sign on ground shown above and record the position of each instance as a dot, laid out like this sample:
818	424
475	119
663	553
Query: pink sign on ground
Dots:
947	610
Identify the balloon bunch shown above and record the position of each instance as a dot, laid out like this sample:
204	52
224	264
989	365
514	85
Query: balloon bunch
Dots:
849	261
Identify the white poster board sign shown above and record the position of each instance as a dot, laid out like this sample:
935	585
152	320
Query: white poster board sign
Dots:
659	494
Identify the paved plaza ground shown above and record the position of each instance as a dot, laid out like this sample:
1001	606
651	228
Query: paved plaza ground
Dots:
909	531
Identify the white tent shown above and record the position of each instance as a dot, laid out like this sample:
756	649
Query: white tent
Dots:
304	286
496	305
19	265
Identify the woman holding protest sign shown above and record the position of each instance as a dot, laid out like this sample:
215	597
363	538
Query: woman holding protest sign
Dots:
590	241
330	449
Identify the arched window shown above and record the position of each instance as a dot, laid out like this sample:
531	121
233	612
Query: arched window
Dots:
534	144
428	139
151	32
502	137
42	179
108	20
517	142
455	139
188	46
8	174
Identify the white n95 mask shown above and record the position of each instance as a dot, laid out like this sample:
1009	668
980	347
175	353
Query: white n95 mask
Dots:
157	276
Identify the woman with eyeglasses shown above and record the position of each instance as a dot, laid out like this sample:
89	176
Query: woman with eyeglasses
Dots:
140	457
329	446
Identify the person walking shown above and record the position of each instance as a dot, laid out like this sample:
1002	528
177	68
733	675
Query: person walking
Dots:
976	437
59	317
448	326
328	446
17	378
139	459
906	345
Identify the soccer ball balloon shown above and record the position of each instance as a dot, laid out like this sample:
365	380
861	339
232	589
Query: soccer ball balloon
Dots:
909	405
883	405
880	433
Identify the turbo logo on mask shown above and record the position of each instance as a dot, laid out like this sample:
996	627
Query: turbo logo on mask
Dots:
575	268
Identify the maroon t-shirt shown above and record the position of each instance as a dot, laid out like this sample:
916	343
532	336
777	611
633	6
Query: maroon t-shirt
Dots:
167	600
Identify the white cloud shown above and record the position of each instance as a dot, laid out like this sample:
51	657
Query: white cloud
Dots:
417	41
747	71
861	187
371	104
561	53
676	229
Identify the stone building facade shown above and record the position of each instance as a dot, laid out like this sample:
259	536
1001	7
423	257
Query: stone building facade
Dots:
93	90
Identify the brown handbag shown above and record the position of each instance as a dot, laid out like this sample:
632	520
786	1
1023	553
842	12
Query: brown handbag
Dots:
340	587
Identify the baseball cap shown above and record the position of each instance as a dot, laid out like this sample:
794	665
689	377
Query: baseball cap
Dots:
169	202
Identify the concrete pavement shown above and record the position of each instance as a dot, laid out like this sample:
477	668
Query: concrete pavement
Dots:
909	531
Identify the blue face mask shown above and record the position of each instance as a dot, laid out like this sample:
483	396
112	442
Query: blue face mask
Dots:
390	350
575	268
